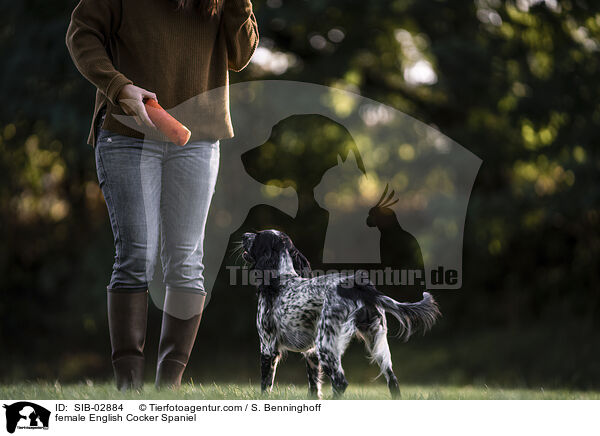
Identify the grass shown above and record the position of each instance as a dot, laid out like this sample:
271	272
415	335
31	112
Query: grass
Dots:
106	391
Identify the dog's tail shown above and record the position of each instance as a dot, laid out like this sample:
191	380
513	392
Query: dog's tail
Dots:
412	316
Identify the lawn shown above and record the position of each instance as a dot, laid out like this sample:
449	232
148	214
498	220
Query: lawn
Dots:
190	391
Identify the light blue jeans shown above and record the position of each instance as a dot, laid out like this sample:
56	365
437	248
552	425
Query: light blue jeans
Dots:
158	195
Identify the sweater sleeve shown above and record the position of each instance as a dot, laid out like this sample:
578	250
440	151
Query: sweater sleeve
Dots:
92	24
242	33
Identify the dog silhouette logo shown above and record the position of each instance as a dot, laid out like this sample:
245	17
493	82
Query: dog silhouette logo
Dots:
313	161
26	415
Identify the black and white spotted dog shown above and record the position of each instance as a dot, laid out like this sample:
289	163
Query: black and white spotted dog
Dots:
318	316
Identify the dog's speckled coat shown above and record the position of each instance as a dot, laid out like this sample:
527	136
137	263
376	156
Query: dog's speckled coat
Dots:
317	316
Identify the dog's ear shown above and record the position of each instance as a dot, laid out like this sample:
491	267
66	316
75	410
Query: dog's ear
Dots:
301	264
268	264
267	260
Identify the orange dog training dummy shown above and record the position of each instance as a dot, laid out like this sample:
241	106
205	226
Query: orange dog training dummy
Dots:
169	126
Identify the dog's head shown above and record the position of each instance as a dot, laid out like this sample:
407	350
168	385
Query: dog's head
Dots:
265	250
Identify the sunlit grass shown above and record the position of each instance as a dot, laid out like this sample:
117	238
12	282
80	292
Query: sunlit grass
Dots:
190	391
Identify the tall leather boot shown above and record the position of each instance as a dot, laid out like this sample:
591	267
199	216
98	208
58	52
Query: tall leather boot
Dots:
180	321
127	319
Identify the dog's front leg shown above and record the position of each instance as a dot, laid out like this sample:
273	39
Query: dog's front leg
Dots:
268	366
269	350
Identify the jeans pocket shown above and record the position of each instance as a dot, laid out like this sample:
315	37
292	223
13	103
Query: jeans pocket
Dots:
103	137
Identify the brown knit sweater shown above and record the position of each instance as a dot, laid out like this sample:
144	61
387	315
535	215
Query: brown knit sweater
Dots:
176	54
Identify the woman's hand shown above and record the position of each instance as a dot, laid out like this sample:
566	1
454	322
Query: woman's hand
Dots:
131	99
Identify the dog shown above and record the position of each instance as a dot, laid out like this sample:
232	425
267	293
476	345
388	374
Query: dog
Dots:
318	316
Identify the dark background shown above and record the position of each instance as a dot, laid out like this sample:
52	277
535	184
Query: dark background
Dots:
516	85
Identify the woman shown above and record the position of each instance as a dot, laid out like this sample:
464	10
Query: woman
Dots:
158	193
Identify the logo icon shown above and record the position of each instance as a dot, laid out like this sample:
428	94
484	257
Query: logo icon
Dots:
26	415
361	185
